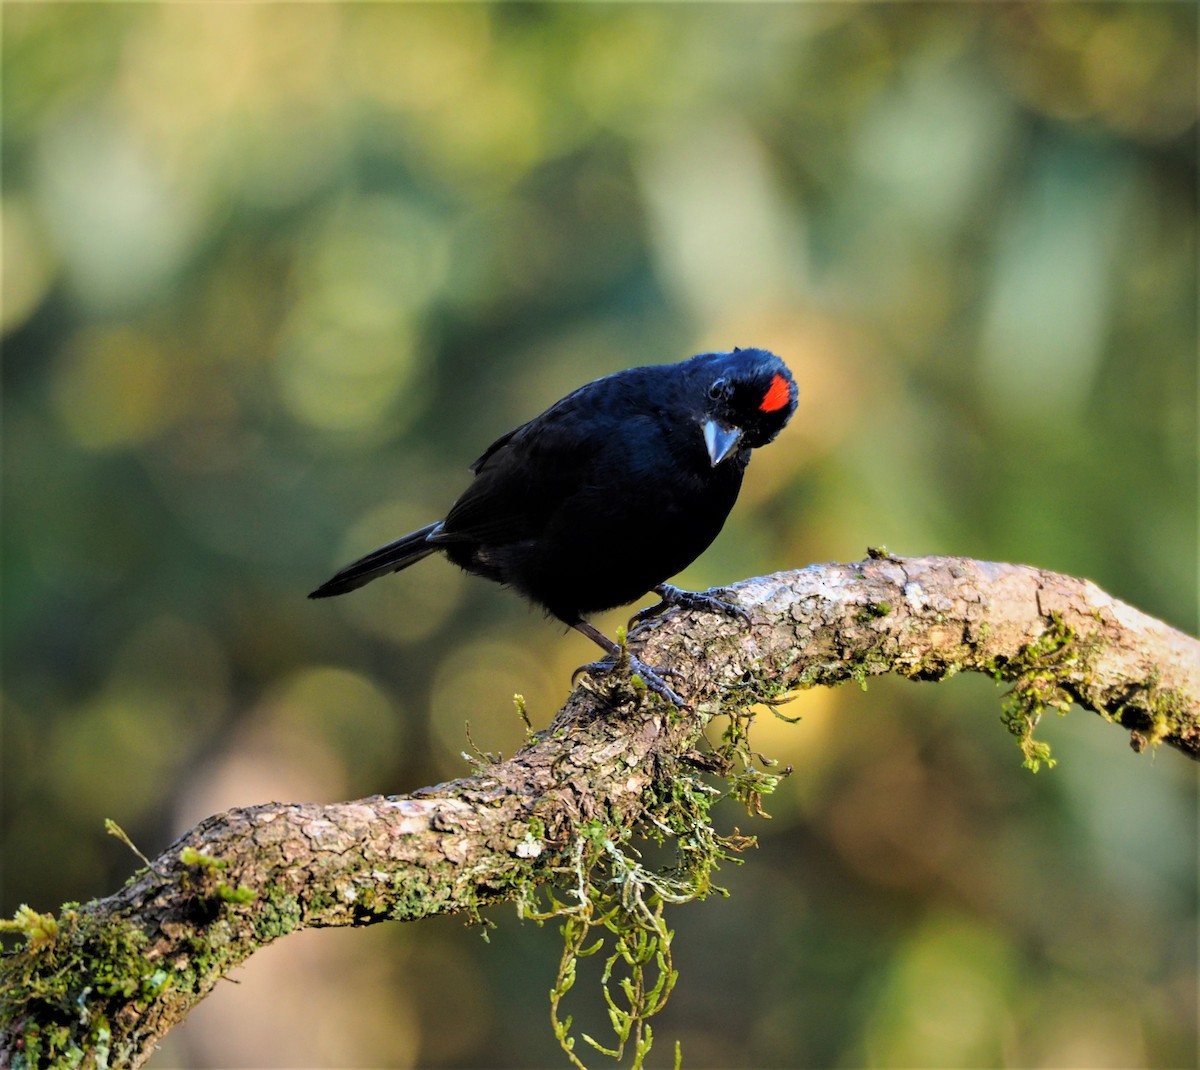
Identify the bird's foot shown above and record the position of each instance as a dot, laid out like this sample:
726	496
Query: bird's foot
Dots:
620	660
671	596
651	679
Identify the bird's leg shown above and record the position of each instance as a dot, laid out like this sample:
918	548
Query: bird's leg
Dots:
618	657
670	596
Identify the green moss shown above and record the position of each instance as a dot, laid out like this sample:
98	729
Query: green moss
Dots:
40	930
872	611
1170	712
858	666
57	996
871	662
523	713
238	896
614	903
618	905
934	668
206	882
115	830
366	900
321	901
189	856
1153	714
278	913
1046	673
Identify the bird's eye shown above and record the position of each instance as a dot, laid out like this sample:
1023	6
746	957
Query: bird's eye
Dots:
719	389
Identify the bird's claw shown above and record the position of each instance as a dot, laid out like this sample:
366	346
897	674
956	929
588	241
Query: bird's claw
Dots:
671	596
652	678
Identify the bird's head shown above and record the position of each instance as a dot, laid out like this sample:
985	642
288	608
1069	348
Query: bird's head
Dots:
749	397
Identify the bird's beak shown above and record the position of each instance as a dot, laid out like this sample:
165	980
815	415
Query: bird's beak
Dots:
720	441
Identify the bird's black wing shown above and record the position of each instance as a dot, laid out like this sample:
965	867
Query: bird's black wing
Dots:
565	407
522	478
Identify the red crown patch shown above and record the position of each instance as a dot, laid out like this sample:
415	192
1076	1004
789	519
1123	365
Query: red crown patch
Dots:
777	395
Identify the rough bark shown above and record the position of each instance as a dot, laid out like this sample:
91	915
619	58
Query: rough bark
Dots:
103	981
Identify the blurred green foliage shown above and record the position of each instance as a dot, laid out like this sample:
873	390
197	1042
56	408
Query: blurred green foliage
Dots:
273	275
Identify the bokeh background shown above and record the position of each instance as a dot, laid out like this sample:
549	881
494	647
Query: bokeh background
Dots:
274	275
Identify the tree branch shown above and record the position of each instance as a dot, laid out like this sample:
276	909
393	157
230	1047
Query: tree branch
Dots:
104	981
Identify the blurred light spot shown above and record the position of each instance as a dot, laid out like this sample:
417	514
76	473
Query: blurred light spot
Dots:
180	659
944	1001
286	157
350	351
445	46
933	143
188	67
600	69
474	116
239	101
320	733
339	379
1049	307
411	605
552	366
904	500
113	389
1041	59
1113	807
1122	62
373	260
316	999
117	754
445	975
817	710
475	683
892	824
122	231
261	762
1083	1031
28	266
1132	66
344	713
725	235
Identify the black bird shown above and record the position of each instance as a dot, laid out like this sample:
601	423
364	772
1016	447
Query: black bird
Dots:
608	493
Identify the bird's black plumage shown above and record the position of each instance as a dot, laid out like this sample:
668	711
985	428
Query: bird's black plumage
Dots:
610	491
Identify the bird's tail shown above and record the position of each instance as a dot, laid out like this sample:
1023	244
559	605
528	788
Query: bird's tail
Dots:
397	554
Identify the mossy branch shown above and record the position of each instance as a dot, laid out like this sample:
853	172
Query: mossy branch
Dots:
102	982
